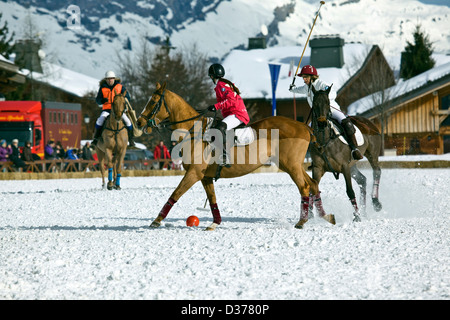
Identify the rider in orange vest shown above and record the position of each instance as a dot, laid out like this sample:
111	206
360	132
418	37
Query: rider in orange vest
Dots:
105	96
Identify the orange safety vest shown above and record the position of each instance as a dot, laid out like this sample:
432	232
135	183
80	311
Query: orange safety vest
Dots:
109	94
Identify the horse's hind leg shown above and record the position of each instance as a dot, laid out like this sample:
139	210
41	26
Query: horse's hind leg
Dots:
208	185
376	184
351	194
101	163
373	160
362	182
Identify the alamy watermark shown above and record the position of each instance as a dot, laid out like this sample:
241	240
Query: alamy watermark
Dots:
192	150
74	19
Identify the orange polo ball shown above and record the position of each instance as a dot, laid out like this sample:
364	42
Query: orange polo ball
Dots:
192	221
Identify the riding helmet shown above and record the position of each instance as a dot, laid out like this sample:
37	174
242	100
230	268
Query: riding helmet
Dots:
110	74
216	71
309	70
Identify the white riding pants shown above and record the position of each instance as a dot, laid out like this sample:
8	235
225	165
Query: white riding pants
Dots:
337	114
105	114
232	121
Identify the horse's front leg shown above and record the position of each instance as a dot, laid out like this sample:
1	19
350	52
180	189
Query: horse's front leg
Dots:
208	185
118	171
189	179
351	194
109	164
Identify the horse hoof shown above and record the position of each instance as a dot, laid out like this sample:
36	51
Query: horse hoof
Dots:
117	188
155	224
212	227
330	218
357	219
109	187
376	204
300	224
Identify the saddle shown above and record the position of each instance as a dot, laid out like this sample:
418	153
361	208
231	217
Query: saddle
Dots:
243	135
339	132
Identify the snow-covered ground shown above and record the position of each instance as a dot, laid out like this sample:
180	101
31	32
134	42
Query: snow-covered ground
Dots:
69	239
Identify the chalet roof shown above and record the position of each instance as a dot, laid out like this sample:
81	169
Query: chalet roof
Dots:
405	89
64	79
249	69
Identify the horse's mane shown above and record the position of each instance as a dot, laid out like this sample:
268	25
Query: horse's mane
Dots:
176	96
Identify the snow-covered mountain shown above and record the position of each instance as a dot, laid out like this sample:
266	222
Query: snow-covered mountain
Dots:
86	36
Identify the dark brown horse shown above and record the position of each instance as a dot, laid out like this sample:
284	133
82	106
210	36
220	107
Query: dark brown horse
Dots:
288	149
330	154
112	146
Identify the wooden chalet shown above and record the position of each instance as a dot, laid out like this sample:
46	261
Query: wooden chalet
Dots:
417	115
10	77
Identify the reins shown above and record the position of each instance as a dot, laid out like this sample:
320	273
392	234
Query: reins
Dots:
150	118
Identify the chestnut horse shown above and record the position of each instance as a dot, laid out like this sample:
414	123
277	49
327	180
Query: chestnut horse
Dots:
288	149
112	146
330	154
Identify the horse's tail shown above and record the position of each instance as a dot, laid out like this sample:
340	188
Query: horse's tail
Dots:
365	125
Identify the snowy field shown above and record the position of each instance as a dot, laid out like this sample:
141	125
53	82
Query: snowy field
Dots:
69	239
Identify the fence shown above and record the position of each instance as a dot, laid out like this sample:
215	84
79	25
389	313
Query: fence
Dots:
65	165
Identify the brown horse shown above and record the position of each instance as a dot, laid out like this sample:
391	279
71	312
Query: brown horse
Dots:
288	149
330	154
112	146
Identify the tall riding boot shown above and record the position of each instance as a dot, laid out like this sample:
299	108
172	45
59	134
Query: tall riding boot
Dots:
350	131
97	134
130	137
222	127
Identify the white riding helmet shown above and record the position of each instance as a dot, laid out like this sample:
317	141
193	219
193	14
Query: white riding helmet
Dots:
110	74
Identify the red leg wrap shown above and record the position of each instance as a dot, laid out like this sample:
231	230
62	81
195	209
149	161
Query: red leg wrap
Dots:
319	205
165	210
304	207
216	213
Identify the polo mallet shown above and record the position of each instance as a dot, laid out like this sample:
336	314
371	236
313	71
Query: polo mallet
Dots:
204	207
307	40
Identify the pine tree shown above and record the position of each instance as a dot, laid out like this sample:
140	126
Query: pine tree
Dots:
6	45
417	57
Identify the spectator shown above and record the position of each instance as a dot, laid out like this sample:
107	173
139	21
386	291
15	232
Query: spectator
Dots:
87	152
5	150
15	156
161	152
49	150
27	155
72	154
59	151
49	154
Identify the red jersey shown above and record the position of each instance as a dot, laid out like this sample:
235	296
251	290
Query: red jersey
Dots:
229	102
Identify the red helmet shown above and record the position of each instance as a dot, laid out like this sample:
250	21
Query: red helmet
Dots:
310	70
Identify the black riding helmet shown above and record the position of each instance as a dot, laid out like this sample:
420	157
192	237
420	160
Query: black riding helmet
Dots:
216	71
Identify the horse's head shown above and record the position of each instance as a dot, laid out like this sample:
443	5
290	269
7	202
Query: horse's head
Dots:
118	105
154	112
321	106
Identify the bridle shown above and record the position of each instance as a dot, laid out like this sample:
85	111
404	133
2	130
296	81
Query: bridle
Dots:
117	130
320	123
151	118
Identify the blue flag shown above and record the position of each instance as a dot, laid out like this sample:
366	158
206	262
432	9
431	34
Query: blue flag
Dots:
274	73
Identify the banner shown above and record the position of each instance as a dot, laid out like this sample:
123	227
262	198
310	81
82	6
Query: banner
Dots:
274	73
